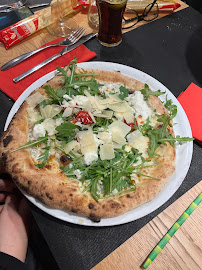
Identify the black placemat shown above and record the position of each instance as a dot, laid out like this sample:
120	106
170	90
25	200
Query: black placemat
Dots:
168	49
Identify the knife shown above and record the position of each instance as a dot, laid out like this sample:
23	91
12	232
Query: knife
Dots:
8	8
57	55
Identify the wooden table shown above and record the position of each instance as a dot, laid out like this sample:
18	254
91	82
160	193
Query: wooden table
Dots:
41	37
184	250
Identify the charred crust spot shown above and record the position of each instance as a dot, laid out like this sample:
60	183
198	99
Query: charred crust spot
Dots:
65	159
91	205
70	194
15	178
74	211
128	196
4	157
29	182
60	191
94	218
49	196
48	166
103	206
16	168
7	140
115	205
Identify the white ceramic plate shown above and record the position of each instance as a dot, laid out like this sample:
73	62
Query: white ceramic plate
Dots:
183	152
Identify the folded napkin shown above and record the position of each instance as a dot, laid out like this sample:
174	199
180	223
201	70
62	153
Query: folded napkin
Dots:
14	90
191	101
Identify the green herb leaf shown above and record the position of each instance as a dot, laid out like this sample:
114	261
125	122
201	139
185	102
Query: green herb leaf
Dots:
178	139
123	92
67	129
32	143
44	157
171	108
146	92
51	92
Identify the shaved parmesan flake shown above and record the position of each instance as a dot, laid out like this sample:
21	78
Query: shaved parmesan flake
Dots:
115	98
70	146
117	138
120	128
129	117
34	116
119	107
89	148
67	112
108	114
85	137
105	136
116	145
138	141
35	99
67	97
50	125
106	152
80	100
50	111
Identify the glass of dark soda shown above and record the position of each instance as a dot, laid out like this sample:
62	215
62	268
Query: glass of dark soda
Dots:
110	21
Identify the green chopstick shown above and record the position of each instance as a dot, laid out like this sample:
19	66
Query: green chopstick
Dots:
172	231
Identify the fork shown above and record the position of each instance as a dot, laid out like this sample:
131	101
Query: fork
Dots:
73	38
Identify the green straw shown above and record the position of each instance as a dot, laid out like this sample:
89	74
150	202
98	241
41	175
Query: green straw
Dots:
172	231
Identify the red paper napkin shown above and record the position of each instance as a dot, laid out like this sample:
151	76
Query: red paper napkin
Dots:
191	101
14	90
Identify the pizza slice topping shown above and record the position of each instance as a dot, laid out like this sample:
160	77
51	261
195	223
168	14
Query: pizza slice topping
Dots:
99	133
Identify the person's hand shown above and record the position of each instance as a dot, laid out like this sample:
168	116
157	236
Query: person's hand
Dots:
14	220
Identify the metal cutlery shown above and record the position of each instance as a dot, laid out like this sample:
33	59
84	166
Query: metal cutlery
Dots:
13	5
19	4
73	38
62	52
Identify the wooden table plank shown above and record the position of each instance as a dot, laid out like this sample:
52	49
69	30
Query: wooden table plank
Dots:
184	251
41	37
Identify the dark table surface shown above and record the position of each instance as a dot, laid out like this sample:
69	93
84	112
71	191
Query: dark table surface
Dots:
170	50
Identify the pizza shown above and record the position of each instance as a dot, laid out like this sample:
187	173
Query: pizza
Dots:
92	142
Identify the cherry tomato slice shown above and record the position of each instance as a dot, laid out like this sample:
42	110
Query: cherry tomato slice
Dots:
132	125
84	117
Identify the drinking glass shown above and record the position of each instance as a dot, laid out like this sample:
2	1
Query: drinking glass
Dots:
64	26
110	21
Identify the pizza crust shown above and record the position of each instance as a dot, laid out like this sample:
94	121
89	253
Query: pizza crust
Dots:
55	190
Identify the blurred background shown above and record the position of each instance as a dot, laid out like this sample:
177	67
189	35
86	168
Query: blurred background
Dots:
196	4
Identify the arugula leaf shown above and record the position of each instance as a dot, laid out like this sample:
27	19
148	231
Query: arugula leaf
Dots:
146	127
32	143
67	129
52	92
161	135
123	92
178	139
165	120
172	108
44	157
101	123
93	188
146	92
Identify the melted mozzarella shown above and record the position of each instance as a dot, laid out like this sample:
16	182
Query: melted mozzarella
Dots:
140	106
